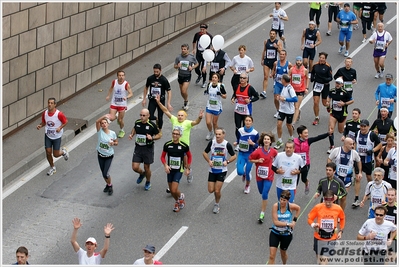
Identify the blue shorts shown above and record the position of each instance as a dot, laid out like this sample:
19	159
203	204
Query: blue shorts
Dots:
213	112
345	35
52	143
174	176
278	87
264	188
292	198
371	213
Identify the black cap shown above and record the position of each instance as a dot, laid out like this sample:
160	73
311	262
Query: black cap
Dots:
364	123
346	4
204	26
150	248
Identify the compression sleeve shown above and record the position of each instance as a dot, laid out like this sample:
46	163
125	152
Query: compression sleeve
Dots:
163	155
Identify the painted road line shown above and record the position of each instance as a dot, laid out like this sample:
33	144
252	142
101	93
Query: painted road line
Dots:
170	243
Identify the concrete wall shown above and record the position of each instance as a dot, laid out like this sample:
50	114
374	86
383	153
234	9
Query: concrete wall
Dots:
57	49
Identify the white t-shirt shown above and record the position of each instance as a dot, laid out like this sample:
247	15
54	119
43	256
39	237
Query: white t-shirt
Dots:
242	64
387	37
141	262
277	23
382	231
392	171
287	107
377	193
84	260
287	181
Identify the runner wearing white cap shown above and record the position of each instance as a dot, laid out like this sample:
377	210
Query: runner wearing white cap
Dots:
89	256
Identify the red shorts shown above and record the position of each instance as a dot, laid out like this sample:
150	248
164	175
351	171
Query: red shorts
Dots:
118	108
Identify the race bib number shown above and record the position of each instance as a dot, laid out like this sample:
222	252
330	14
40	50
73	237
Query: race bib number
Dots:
382	137
104	146
327	224
50	132
318	87
308	43
286	180
351	135
366	14
213	102
263	172
184	65
296	79
348	86
376	200
344	24
174	162
270	54
379	45
241	69
217	163
241	109
278	78
362	149
335	106
118	99
303	156
155	90
141	139
385	102
390	218
214	66
243	145
275	24
343	170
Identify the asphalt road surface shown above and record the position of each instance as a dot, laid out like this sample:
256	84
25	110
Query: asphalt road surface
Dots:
39	214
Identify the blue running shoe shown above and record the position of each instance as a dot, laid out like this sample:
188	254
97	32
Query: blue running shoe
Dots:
147	186
140	179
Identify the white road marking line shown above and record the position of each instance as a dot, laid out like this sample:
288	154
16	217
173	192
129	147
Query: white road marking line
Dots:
170	243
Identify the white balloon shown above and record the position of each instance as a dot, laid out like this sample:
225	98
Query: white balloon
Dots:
208	55
395	123
217	42
205	41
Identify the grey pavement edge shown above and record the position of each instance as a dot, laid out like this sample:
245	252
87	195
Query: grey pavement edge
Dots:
24	149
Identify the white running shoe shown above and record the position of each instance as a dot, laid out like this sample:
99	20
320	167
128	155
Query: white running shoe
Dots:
377	75
341	48
216	208
247	189
185	107
356	204
346	53
381	74
209	136
364	40
51	171
263	94
65	153
190	177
